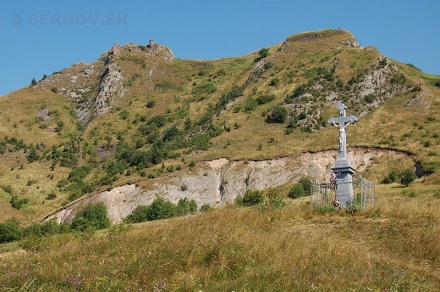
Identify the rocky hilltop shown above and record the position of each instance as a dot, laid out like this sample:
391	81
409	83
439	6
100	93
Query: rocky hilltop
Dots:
94	88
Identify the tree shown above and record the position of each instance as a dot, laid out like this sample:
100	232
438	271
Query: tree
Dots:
33	82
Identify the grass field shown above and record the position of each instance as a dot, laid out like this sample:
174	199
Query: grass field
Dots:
394	246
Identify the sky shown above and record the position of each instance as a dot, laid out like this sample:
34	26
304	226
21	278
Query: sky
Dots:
46	36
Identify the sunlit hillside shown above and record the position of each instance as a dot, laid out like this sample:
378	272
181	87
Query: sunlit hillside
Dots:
140	118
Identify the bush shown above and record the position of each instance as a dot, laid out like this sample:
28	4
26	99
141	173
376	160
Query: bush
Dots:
352	207
306	183
160	209
124	114
40	230
252	197
325	208
407	177
7	189
18	203
185	206
296	191
91	217
10	231
206	207
78	173
273	200
33	155
139	214
278	115
274	82
51	196
393	176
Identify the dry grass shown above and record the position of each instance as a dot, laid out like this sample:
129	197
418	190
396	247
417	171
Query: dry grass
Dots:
394	246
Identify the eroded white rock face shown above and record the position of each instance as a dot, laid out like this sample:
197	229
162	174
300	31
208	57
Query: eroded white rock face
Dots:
110	88
219	182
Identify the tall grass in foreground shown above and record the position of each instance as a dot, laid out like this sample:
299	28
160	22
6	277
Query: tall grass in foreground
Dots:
395	248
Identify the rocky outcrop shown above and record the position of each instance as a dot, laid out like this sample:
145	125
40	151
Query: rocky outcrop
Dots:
110	88
219	182
160	50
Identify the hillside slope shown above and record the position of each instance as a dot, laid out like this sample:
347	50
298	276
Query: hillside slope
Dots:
138	113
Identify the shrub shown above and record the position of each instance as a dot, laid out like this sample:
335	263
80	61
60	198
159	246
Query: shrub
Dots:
370	98
78	173
185	206
325	208
274	82
296	191
206	207
18	203
306	183
40	230
91	217
124	114
7	189
10	231
252	197
263	53
407	177
32	156
204	89
150	104
393	176
160	209
273	200
139	214
278	115
158	121
265	98
352	207
51	196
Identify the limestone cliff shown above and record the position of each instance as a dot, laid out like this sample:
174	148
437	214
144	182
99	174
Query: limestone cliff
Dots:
219	182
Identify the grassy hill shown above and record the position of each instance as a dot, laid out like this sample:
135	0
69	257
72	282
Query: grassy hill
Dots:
140	114
172	111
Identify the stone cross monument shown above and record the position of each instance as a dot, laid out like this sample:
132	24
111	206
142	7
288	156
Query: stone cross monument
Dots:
343	169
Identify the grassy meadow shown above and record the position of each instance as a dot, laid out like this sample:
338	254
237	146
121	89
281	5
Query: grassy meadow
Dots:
394	246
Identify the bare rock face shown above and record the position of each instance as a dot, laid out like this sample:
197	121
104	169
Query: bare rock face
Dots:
110	88
219	182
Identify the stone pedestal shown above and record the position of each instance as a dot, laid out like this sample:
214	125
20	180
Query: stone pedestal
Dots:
344	186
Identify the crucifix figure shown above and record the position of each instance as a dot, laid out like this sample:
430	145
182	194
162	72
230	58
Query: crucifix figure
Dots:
341	123
344	182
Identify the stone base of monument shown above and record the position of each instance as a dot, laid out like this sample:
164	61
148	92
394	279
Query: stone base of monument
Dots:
344	186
